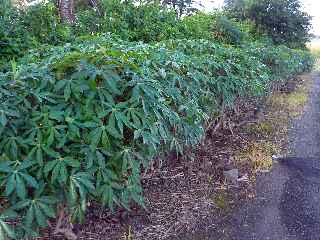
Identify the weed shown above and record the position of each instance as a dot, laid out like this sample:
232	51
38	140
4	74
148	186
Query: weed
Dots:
258	155
129	235
264	128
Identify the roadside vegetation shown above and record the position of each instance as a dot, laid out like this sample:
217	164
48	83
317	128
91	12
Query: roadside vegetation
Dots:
88	102
268	135
314	47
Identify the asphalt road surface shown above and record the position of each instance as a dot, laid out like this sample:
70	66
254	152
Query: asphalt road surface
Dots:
287	206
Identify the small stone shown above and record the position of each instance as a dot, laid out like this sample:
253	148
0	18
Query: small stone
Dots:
244	178
231	175
276	157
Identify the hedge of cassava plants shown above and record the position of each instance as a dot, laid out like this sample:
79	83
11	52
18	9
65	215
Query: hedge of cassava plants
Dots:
79	121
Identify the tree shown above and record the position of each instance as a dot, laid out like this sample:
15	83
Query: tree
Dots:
181	7
66	11
236	8
282	20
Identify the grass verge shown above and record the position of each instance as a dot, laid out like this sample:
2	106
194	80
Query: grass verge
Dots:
268	135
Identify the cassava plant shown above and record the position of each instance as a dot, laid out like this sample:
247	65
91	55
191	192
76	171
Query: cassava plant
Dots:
78	122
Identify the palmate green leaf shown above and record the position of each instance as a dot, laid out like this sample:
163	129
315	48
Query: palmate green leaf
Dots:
107	195
105	141
58	168
67	92
40	217
111	128
30	180
85	179
37	210
47	210
56	171
20	187
39	156
101	159
50	165
29	216
6	230
111	79
95	137
17	180
71	162
5	167
10	184
25	164
3	118
63	173
80	185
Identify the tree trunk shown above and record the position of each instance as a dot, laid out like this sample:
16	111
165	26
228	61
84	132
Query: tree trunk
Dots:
66	11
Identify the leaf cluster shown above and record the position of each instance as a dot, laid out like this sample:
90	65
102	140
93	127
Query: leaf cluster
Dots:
79	121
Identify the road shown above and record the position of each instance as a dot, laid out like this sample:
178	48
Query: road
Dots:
287	205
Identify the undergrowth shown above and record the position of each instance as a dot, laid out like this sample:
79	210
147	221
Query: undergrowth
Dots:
268	136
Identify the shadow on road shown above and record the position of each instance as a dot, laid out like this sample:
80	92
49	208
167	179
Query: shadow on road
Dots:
300	200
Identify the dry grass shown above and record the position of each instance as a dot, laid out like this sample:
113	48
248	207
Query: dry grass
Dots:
260	128
128	235
292	103
269	134
258	155
221	200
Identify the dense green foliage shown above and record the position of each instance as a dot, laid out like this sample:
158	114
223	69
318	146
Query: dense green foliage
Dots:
14	39
84	108
128	21
227	31
41	21
181	7
284	21
79	124
40	24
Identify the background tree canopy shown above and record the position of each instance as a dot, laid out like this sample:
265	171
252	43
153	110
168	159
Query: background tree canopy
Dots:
282	20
